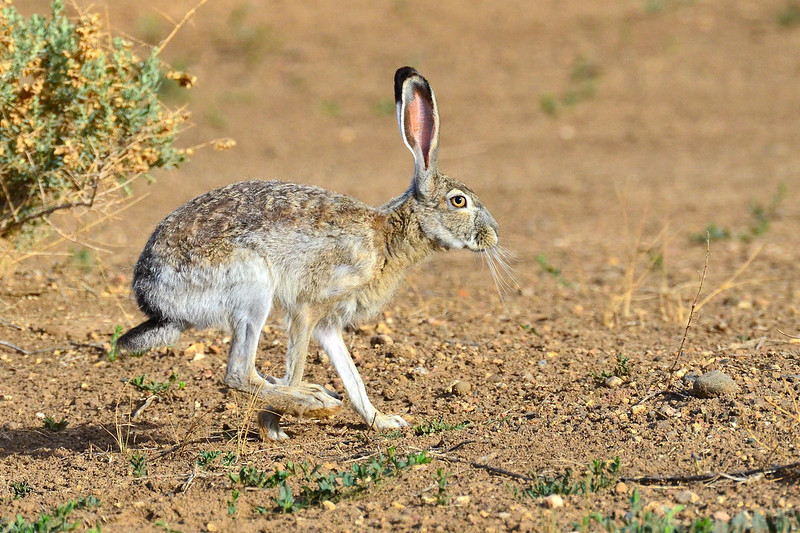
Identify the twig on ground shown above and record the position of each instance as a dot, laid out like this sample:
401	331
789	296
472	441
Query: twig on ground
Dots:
23	351
144	406
691	315
787	335
740	476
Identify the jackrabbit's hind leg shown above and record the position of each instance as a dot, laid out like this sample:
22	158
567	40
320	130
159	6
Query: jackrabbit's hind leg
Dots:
269	426
306	400
150	334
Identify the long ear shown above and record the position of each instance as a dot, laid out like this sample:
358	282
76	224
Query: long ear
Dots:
418	118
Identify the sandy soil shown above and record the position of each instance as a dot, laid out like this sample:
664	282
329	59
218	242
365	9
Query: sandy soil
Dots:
604	137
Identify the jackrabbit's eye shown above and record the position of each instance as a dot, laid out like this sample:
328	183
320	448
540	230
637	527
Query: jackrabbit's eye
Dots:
458	201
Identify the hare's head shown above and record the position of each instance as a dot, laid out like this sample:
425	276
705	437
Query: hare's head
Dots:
449	213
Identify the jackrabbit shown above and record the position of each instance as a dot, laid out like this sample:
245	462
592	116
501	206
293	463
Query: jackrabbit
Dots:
326	259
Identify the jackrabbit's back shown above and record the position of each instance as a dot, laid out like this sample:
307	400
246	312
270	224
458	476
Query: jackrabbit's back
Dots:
252	240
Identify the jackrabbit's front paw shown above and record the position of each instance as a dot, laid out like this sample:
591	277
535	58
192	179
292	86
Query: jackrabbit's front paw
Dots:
382	422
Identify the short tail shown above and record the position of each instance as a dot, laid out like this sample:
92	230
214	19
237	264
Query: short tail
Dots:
150	334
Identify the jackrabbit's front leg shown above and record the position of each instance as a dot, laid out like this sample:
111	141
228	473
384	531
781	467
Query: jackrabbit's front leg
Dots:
330	338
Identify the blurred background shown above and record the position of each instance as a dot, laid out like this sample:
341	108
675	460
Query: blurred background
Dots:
576	122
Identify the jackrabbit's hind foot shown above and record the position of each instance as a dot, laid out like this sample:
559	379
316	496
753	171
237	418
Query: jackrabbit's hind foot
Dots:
305	401
330	405
269	426
278	381
383	422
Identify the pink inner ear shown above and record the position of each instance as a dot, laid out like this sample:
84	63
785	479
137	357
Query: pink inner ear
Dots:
421	125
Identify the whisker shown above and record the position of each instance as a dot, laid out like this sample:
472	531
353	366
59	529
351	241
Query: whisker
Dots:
502	258
501	286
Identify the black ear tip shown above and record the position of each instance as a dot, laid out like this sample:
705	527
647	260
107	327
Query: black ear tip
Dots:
402	74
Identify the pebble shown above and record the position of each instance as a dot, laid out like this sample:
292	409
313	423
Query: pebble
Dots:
554	501
461	388
381	340
638	409
687	496
721	516
621	488
613	382
714	383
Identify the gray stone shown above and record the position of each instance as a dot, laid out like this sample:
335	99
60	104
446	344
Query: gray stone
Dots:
714	383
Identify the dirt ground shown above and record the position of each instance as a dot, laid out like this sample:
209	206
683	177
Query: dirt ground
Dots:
605	137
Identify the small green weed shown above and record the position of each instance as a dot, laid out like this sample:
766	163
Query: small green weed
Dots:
330	108
551	270
20	489
637	520
229	459
113	352
139	464
206	458
429	427
622	368
761	216
52	425
82	258
163	525
155	387
285	500
549	104
252	477
789	15
232	502
385	107
442	479
54	522
527	328
600	475
318	486
712	232
583	77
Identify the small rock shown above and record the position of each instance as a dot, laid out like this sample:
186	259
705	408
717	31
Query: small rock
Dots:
638	409
420	370
194	349
211	527
668	411
687	496
554	501
721	516
328	505
714	383
621	488
461	388
381	340
613	382
462	500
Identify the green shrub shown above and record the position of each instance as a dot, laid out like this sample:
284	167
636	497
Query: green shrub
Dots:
79	119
